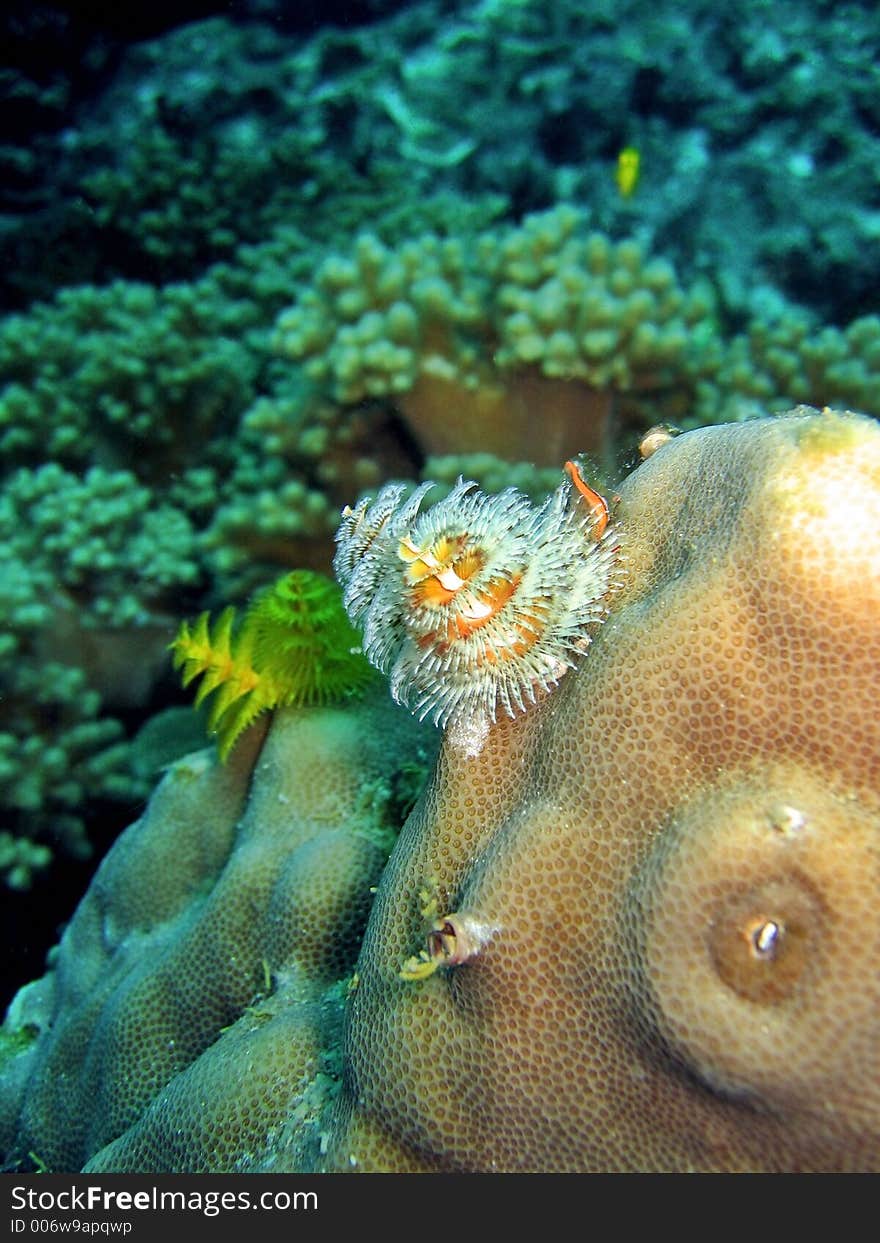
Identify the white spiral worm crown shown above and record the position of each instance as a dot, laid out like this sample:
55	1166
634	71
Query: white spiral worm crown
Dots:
477	606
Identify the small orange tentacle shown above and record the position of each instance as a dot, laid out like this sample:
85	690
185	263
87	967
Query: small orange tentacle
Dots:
596	503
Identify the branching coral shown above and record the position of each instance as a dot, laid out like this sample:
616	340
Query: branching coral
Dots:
59	753
121	373
531	322
552	325
788	357
101	539
90	568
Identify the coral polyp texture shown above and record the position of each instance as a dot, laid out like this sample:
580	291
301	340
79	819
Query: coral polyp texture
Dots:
638	931
477	606
208	960
681	864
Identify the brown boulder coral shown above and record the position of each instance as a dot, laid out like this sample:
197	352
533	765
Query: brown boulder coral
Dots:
653	898
194	1002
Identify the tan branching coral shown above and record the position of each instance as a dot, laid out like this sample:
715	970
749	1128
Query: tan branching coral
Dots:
477	342
552	325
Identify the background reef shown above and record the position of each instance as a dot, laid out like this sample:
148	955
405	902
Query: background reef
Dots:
255	263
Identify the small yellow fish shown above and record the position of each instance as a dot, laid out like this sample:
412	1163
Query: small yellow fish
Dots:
627	175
